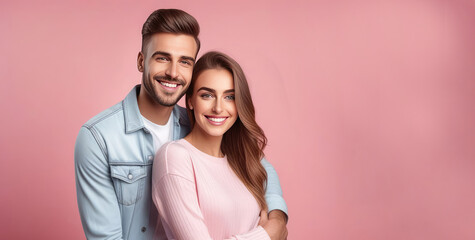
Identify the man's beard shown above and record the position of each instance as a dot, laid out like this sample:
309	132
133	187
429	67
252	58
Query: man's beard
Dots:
153	93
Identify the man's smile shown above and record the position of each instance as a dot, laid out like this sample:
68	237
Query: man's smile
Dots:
170	85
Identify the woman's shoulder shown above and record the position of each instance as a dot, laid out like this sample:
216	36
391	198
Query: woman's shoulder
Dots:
177	147
173	158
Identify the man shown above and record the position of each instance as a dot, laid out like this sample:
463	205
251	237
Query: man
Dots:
115	149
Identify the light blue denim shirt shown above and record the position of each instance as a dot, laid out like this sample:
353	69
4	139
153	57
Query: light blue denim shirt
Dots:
113	163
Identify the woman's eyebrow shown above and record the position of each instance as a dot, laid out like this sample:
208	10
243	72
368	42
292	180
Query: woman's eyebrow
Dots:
206	89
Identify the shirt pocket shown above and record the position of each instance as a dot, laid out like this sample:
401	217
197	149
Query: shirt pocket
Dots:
129	181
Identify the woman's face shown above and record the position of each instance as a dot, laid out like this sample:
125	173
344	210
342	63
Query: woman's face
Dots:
213	103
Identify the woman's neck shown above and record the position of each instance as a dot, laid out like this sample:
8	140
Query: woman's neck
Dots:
210	145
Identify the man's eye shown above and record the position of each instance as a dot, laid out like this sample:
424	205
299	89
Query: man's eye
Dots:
186	62
162	59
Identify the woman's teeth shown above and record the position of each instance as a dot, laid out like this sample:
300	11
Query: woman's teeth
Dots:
216	119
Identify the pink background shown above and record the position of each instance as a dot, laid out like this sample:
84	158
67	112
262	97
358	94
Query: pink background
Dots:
368	107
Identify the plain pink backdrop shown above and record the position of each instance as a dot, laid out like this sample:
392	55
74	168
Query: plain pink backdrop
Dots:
368	107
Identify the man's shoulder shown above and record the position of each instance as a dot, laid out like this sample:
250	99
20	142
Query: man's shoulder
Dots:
93	135
115	114
106	115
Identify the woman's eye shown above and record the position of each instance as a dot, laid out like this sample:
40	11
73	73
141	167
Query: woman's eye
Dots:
206	95
230	97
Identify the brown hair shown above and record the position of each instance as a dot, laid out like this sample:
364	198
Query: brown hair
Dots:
170	21
244	142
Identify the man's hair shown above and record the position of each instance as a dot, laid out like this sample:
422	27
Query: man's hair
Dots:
170	21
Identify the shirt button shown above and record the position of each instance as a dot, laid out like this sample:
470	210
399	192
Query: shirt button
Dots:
150	157
144	229
130	176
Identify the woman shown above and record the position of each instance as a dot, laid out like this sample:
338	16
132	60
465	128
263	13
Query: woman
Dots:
211	183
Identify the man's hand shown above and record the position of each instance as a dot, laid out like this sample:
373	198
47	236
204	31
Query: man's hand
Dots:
274	224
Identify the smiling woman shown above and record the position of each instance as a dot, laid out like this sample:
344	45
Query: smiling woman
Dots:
213	102
211	184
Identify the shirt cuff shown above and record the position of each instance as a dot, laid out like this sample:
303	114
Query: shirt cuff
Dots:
276	202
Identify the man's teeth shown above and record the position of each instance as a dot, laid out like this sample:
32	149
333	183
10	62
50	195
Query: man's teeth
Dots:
217	119
172	85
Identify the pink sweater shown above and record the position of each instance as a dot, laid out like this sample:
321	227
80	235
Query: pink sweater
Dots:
198	196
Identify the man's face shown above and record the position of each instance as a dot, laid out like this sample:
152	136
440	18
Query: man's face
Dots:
167	65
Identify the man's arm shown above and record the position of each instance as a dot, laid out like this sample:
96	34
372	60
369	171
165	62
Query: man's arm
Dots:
97	200
273	196
277	208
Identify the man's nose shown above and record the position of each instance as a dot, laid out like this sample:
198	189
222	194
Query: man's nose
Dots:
172	70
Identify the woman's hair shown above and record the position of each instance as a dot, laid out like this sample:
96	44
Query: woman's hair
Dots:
244	142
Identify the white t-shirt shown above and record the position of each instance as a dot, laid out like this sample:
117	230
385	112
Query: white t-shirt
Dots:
161	133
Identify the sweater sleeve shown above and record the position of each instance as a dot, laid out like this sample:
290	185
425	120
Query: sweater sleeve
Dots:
174	192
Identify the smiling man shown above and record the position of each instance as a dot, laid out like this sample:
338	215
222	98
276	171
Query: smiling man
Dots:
115	149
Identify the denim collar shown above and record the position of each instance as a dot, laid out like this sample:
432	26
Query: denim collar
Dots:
133	118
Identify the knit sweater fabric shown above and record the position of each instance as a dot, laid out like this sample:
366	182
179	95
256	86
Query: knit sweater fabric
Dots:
198	196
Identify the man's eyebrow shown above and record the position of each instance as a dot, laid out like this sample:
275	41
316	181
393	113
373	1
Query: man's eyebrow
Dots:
161	53
169	55
188	58
213	91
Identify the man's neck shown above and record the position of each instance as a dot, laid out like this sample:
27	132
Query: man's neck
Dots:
151	110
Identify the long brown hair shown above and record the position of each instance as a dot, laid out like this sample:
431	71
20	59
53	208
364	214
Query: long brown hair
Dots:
244	142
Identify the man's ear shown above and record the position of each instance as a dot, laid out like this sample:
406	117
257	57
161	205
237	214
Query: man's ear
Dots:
140	62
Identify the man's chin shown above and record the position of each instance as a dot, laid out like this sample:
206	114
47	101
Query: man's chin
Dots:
166	102
166	99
